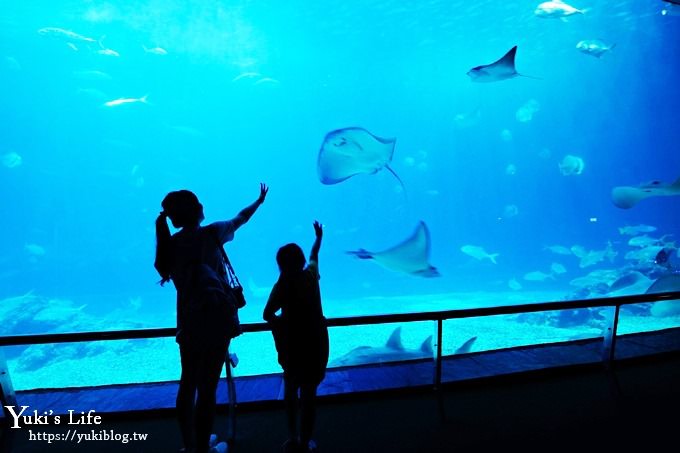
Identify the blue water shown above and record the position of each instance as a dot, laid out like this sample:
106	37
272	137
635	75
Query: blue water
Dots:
91	178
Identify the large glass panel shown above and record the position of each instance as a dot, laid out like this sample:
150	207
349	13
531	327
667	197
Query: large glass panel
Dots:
381	343
381	356
648	328
95	363
494	345
649	317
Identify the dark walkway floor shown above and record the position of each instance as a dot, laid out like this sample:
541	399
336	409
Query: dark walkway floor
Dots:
551	410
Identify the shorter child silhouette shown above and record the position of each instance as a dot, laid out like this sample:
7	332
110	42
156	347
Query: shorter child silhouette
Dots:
301	337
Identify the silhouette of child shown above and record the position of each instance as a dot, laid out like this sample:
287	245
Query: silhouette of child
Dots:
204	329
301	337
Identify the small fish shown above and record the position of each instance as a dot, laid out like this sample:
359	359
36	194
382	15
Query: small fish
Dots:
155	50
556	9
121	101
64	34
246	75
585	282
644	241
645	254
267	81
478	253
637	229
502	69
579	251
537	276
557	268
559	249
514	284
594	47
108	52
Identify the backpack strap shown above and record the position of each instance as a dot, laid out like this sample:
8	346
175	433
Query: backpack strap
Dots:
231	275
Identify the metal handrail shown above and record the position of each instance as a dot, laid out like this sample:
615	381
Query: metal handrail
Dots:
71	337
7	394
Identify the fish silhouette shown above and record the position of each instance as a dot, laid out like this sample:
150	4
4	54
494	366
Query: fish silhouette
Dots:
409	256
353	151
626	197
502	69
393	351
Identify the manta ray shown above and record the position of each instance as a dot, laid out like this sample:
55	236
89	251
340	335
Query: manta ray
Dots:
500	70
353	151
409	256
393	351
626	197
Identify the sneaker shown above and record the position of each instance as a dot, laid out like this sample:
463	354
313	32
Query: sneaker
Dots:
219	448
213	441
311	447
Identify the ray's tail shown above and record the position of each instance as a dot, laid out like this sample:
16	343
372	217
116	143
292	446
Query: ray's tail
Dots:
403	187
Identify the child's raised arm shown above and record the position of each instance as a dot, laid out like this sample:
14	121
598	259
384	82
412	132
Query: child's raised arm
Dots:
318	231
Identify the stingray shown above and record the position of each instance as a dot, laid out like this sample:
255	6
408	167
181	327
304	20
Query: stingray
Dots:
626	197
353	151
409	256
667	283
393	351
500	70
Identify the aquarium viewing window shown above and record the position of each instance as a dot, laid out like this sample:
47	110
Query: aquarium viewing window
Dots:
460	155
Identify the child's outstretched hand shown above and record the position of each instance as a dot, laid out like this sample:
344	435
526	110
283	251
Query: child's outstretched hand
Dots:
263	193
318	229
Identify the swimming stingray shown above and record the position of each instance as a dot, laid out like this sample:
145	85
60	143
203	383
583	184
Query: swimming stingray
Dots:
499	70
626	197
667	283
353	151
409	256
393	351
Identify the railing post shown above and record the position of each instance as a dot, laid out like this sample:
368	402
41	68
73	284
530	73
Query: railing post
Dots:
609	344
232	361
438	357
7	396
